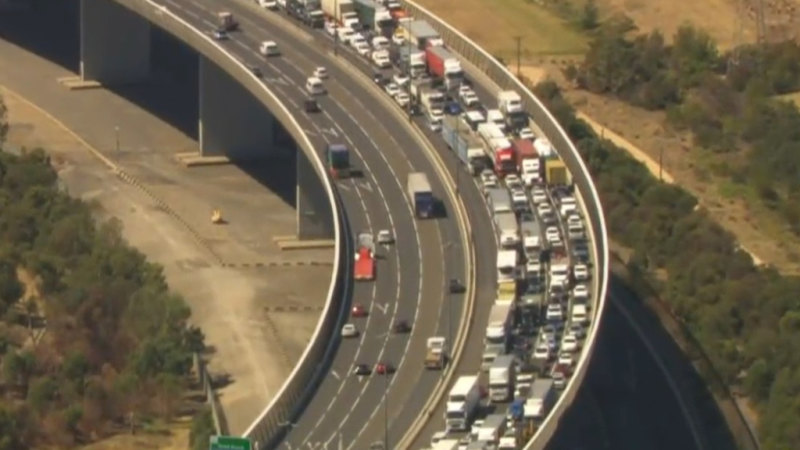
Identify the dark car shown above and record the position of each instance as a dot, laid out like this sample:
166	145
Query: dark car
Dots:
311	105
456	287
378	78
384	368
220	34
361	369
358	310
452	108
255	70
401	326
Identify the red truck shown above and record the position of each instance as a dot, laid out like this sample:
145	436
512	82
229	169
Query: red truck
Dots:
444	66
364	265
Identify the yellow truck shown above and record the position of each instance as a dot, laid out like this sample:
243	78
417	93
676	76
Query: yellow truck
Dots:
556	173
506	292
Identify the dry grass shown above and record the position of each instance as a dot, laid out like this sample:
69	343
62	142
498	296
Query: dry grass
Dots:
494	23
175	438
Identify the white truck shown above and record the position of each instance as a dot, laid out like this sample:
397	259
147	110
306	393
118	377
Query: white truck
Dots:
492	429
446	444
435	353
559	270
342	11
501	378
507	229
462	403
510	104
497	333
544	148
506	265
531	233
541	397
499	199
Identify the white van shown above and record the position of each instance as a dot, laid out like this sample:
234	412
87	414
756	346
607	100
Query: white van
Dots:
579	314
314	86
269	48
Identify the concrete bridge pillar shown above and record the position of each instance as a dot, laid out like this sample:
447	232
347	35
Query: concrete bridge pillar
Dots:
314	218
233	123
115	43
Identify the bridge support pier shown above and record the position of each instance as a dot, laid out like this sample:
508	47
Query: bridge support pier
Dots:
233	123
114	44
314	218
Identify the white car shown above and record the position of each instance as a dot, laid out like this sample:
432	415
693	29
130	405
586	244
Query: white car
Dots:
557	242
565	358
314	86
268	4
358	38
385	237
381	59
554	312
345	34
526	133
542	352
576	330
362	48
488	179
392	89
570	343
321	73
400	79
518	196
463	89
402	98
544	209
538	195
398	39
534	269
513	181
349	330
581	272
269	48
581	292
380	43
330	28
548	331
551	234
470	99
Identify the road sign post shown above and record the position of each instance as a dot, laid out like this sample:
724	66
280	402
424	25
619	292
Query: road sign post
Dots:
229	443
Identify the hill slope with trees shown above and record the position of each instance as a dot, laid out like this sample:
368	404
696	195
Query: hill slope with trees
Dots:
747	319
91	337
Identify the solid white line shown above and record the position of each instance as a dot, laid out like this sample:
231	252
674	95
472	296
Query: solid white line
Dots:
335	375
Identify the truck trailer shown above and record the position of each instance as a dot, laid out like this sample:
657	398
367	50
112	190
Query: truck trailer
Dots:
507	229
419	33
528	164
435	352
444	66
540	399
374	16
497	333
464	143
410	60
510	104
556	173
462	403
421	195
501	378
492	429
337	9
498	148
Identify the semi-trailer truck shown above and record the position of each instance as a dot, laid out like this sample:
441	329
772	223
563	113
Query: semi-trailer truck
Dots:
498	148
463	142
499	199
528	163
501	378
510	104
419	33
338	158
409	60
420	195
541	397
462	403
507	229
497	333
492	429
374	16
337	9
444	66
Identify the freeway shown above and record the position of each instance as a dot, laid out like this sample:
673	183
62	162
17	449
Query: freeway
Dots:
411	276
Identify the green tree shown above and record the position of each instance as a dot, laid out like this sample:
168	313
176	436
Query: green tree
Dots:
693	55
12	429
42	392
3	121
202	429
590	16
18	367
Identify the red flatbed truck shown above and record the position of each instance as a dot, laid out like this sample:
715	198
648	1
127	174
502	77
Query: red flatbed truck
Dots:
364	265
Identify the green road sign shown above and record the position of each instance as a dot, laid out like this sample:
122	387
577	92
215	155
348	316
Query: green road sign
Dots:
229	443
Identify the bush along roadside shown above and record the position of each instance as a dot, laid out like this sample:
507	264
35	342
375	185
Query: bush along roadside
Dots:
747	319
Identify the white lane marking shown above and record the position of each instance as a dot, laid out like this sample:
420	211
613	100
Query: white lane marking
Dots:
335	375
380	306
364	184
344	186
309	132
331	131
391	169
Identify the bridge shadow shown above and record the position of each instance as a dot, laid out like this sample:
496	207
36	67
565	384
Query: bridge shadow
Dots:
625	401
50	29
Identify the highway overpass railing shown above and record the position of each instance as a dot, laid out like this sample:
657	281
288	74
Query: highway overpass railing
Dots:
284	407
587	193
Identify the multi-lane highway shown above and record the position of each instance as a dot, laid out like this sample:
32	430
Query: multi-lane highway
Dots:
411	276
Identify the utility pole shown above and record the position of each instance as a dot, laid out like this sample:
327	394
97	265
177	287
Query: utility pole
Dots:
116	137
661	162
335	28
519	53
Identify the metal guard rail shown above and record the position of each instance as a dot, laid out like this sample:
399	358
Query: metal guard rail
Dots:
587	193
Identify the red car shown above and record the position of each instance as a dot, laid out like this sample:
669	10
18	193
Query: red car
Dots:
359	310
383	368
